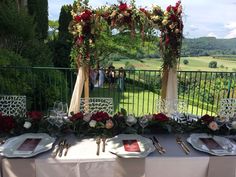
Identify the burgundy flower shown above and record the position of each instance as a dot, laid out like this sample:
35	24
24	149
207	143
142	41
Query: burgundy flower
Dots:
85	16
78	18
7	123
143	10
160	117
80	40
100	116
35	115
77	116
207	119
167	41
168	9
173	18
123	6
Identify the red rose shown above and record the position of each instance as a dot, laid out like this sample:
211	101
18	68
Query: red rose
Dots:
78	18
167	41
86	15
77	116
168	9
207	119
142	10
35	115
100	116
123	6
160	117
173	18
7	123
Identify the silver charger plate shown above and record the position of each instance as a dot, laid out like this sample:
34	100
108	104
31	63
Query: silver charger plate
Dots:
228	148
9	148
115	146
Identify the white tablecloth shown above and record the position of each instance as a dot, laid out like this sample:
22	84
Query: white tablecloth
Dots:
82	161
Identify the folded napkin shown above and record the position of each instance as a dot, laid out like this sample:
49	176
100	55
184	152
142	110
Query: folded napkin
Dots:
222	166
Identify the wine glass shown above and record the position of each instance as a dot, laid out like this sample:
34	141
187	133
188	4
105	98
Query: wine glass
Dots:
143	122
131	120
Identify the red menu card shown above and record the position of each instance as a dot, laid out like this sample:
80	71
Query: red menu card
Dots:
131	145
211	144
29	144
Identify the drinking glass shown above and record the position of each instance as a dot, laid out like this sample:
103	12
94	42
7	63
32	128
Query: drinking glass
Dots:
143	122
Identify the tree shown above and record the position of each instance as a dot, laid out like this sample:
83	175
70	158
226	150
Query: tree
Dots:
53	25
16	26
212	64
185	62
62	46
39	10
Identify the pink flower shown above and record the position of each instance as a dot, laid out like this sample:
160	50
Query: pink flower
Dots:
213	126
35	115
160	117
109	124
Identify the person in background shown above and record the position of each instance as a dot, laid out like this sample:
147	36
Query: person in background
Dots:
101	77
111	76
121	79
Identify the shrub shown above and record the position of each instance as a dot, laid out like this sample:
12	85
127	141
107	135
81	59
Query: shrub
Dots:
212	64
186	62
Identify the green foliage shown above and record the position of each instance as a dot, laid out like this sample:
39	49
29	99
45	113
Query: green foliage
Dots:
129	66
53	26
213	64
185	62
38	53
62	46
16	26
41	88
39	10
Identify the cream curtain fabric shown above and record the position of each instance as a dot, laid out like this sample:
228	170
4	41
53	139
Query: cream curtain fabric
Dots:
172	90
75	99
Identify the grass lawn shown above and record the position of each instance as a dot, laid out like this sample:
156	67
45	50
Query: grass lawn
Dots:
195	64
138	101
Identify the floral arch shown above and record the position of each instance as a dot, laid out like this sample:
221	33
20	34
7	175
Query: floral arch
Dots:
86	26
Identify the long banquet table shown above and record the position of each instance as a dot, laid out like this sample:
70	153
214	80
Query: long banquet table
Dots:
82	161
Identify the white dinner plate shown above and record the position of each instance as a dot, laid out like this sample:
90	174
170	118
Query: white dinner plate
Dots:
116	146
10	147
228	148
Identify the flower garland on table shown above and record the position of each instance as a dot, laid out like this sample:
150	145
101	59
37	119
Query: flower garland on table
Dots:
101	123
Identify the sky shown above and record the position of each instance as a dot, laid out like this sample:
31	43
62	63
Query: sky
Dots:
213	18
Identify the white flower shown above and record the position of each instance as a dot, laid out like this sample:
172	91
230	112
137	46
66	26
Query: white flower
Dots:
27	125
234	125
87	117
92	123
213	126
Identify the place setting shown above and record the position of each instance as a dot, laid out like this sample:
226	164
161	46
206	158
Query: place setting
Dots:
27	145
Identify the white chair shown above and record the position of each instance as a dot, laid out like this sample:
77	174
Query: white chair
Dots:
227	108
94	105
13	105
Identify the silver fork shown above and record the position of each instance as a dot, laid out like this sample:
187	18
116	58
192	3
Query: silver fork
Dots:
98	141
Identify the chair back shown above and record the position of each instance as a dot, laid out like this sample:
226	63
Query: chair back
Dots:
13	105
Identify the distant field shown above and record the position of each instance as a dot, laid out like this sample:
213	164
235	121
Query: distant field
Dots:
195	64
